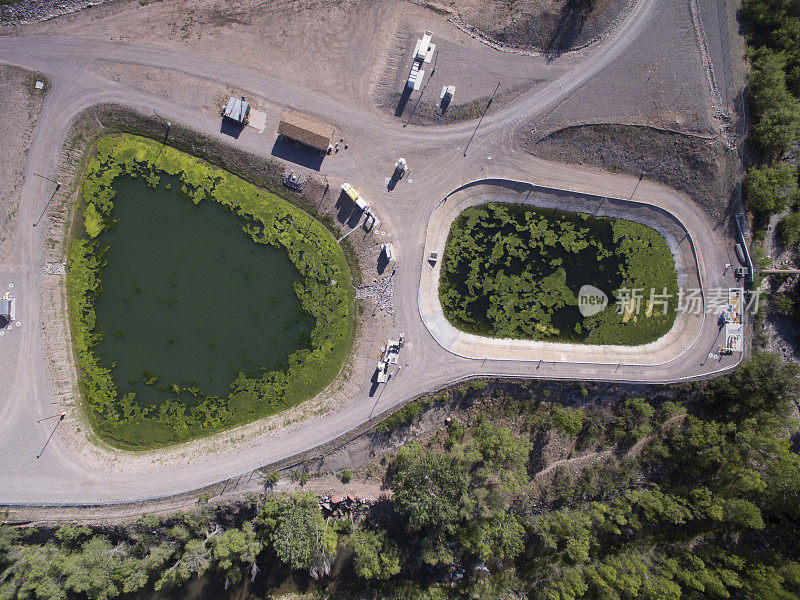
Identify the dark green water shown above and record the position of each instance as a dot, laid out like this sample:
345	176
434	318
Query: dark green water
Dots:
187	296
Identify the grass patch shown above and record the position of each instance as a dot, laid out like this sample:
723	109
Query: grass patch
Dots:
511	271
268	220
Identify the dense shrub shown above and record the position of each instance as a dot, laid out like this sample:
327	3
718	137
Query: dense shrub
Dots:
770	189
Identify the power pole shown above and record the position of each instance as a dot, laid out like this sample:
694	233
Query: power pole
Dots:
488	104
167	123
60	418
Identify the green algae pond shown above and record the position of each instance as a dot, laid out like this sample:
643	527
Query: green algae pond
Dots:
197	301
515	271
188	300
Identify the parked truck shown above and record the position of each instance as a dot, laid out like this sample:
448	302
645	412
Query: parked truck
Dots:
351	193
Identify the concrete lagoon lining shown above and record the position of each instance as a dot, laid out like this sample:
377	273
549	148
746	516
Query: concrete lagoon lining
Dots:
683	334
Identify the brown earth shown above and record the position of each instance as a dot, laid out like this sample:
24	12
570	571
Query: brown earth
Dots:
358	51
693	164
552	26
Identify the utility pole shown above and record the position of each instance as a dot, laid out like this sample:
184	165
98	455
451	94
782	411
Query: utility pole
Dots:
167	123
46	206
60	418
488	104
637	185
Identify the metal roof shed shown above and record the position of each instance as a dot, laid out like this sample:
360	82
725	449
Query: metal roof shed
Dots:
305	129
237	110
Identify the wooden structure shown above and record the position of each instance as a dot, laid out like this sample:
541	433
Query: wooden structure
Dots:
306	130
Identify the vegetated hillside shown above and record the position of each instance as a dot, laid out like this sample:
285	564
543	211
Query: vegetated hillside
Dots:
326	295
691	492
771	182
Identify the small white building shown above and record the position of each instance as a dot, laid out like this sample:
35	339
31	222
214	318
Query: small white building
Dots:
236	110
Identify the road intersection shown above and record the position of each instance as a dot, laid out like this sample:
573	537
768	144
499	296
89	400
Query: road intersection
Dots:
376	140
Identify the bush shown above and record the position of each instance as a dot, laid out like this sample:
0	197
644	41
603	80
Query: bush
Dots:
568	420
789	229
271	478
770	188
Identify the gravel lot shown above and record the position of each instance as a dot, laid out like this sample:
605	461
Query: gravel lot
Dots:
659	81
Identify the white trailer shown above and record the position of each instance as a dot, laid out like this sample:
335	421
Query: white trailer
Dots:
8	307
415	77
423	52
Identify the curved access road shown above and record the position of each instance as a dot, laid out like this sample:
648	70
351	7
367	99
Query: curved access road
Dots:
440	164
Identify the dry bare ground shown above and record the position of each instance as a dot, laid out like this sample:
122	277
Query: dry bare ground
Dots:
551	26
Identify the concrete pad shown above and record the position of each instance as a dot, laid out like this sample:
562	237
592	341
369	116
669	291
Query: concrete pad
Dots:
258	120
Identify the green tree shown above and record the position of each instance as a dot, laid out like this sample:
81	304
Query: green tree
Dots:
34	574
636	414
195	560
764	384
428	489
567	420
769	189
789	229
295	528
494	539
375	554
102	571
776	111
235	549
783	485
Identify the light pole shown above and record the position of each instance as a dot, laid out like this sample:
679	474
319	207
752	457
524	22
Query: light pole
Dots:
167	123
636	187
58	187
488	104
60	418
